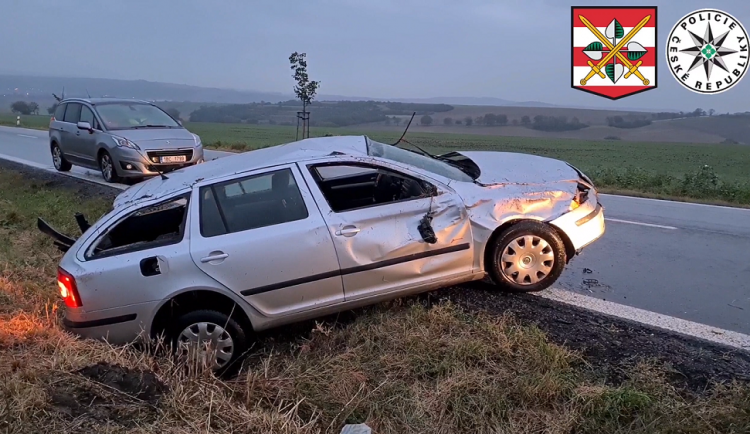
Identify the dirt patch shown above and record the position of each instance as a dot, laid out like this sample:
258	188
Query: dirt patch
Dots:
611	346
107	393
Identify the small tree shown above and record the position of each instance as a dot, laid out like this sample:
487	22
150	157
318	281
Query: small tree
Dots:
305	89
426	120
526	120
458	121
711	112
468	121
34	108
396	120
20	108
447	121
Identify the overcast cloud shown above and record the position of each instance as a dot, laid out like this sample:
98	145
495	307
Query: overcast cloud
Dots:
516	50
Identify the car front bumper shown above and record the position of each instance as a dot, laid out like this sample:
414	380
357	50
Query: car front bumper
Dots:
584	225
132	163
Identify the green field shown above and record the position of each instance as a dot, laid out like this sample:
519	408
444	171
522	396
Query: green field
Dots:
38	122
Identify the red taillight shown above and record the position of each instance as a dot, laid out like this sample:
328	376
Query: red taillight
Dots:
68	290
52	119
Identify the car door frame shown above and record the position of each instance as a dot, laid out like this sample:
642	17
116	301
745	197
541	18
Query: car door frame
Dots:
261	298
70	136
450	255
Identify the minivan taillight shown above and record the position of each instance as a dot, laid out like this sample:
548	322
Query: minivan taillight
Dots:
68	290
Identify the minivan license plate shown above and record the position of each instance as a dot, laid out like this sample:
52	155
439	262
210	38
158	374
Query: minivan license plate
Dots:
173	159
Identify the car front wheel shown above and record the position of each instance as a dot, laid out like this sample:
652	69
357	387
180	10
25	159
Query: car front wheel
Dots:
107	167
58	159
528	257
211	339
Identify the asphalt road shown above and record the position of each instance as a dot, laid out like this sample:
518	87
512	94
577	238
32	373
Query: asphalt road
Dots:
683	260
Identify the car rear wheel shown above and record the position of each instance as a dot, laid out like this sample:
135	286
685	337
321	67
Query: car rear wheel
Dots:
209	338
528	257
107	167
58	159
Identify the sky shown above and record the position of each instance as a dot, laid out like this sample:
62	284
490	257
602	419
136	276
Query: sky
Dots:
515	50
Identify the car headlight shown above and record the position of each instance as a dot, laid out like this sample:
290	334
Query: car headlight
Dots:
125	143
197	140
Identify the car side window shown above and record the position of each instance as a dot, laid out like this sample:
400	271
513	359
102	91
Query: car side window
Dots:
88	116
351	186
73	113
60	112
250	202
155	225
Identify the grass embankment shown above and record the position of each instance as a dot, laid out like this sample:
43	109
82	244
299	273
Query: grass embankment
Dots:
401	367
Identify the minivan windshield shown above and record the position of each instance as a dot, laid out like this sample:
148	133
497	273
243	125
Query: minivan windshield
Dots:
129	116
390	152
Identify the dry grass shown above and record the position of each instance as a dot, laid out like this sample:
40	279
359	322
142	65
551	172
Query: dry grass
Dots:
401	367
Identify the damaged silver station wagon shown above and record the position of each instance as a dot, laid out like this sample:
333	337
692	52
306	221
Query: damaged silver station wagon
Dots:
215	252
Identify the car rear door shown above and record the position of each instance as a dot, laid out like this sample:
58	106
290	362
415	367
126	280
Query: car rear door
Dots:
85	144
261	235
378	241
70	134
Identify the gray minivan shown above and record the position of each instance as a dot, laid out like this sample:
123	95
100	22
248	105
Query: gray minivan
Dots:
123	138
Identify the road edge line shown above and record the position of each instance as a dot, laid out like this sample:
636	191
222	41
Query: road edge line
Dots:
653	319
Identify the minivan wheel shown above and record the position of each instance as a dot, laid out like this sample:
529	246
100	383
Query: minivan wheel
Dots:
61	164
107	167
528	257
211	338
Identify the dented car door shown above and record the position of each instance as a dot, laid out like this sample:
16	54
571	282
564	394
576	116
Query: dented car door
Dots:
390	239
261	235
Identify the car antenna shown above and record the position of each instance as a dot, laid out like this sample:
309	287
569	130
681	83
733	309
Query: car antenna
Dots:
163	176
407	129
87	92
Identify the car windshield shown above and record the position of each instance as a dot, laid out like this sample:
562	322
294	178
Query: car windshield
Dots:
390	152
128	116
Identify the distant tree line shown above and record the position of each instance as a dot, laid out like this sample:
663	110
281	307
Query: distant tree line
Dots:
630	121
322	114
25	108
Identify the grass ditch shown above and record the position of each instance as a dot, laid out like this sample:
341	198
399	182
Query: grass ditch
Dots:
400	367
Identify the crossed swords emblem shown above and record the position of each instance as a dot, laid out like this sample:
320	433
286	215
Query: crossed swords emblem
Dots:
614	50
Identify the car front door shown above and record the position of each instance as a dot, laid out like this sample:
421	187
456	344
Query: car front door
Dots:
375	225
261	235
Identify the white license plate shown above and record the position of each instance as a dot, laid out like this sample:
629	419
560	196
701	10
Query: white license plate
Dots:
173	159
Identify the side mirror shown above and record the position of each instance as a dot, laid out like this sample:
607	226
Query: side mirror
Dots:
85	126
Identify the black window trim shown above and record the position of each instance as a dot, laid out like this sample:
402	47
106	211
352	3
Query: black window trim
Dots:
269	171
377	167
141	247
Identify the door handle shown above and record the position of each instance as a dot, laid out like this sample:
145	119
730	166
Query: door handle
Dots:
215	256
348	231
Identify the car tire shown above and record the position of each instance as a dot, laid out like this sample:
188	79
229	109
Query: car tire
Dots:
217	325
528	257
58	159
107	168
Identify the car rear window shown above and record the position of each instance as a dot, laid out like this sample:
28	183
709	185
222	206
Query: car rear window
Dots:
60	112
250	202
73	113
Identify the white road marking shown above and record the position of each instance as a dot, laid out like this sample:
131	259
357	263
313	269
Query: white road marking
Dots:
639	223
674	202
664	322
30	137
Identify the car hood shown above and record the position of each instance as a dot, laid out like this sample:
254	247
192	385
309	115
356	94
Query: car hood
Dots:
516	168
162	138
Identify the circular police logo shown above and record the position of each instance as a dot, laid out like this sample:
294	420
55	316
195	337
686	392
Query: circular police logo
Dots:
707	51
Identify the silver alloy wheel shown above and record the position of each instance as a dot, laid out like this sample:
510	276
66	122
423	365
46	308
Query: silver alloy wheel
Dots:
527	260
107	168
201	335
57	157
